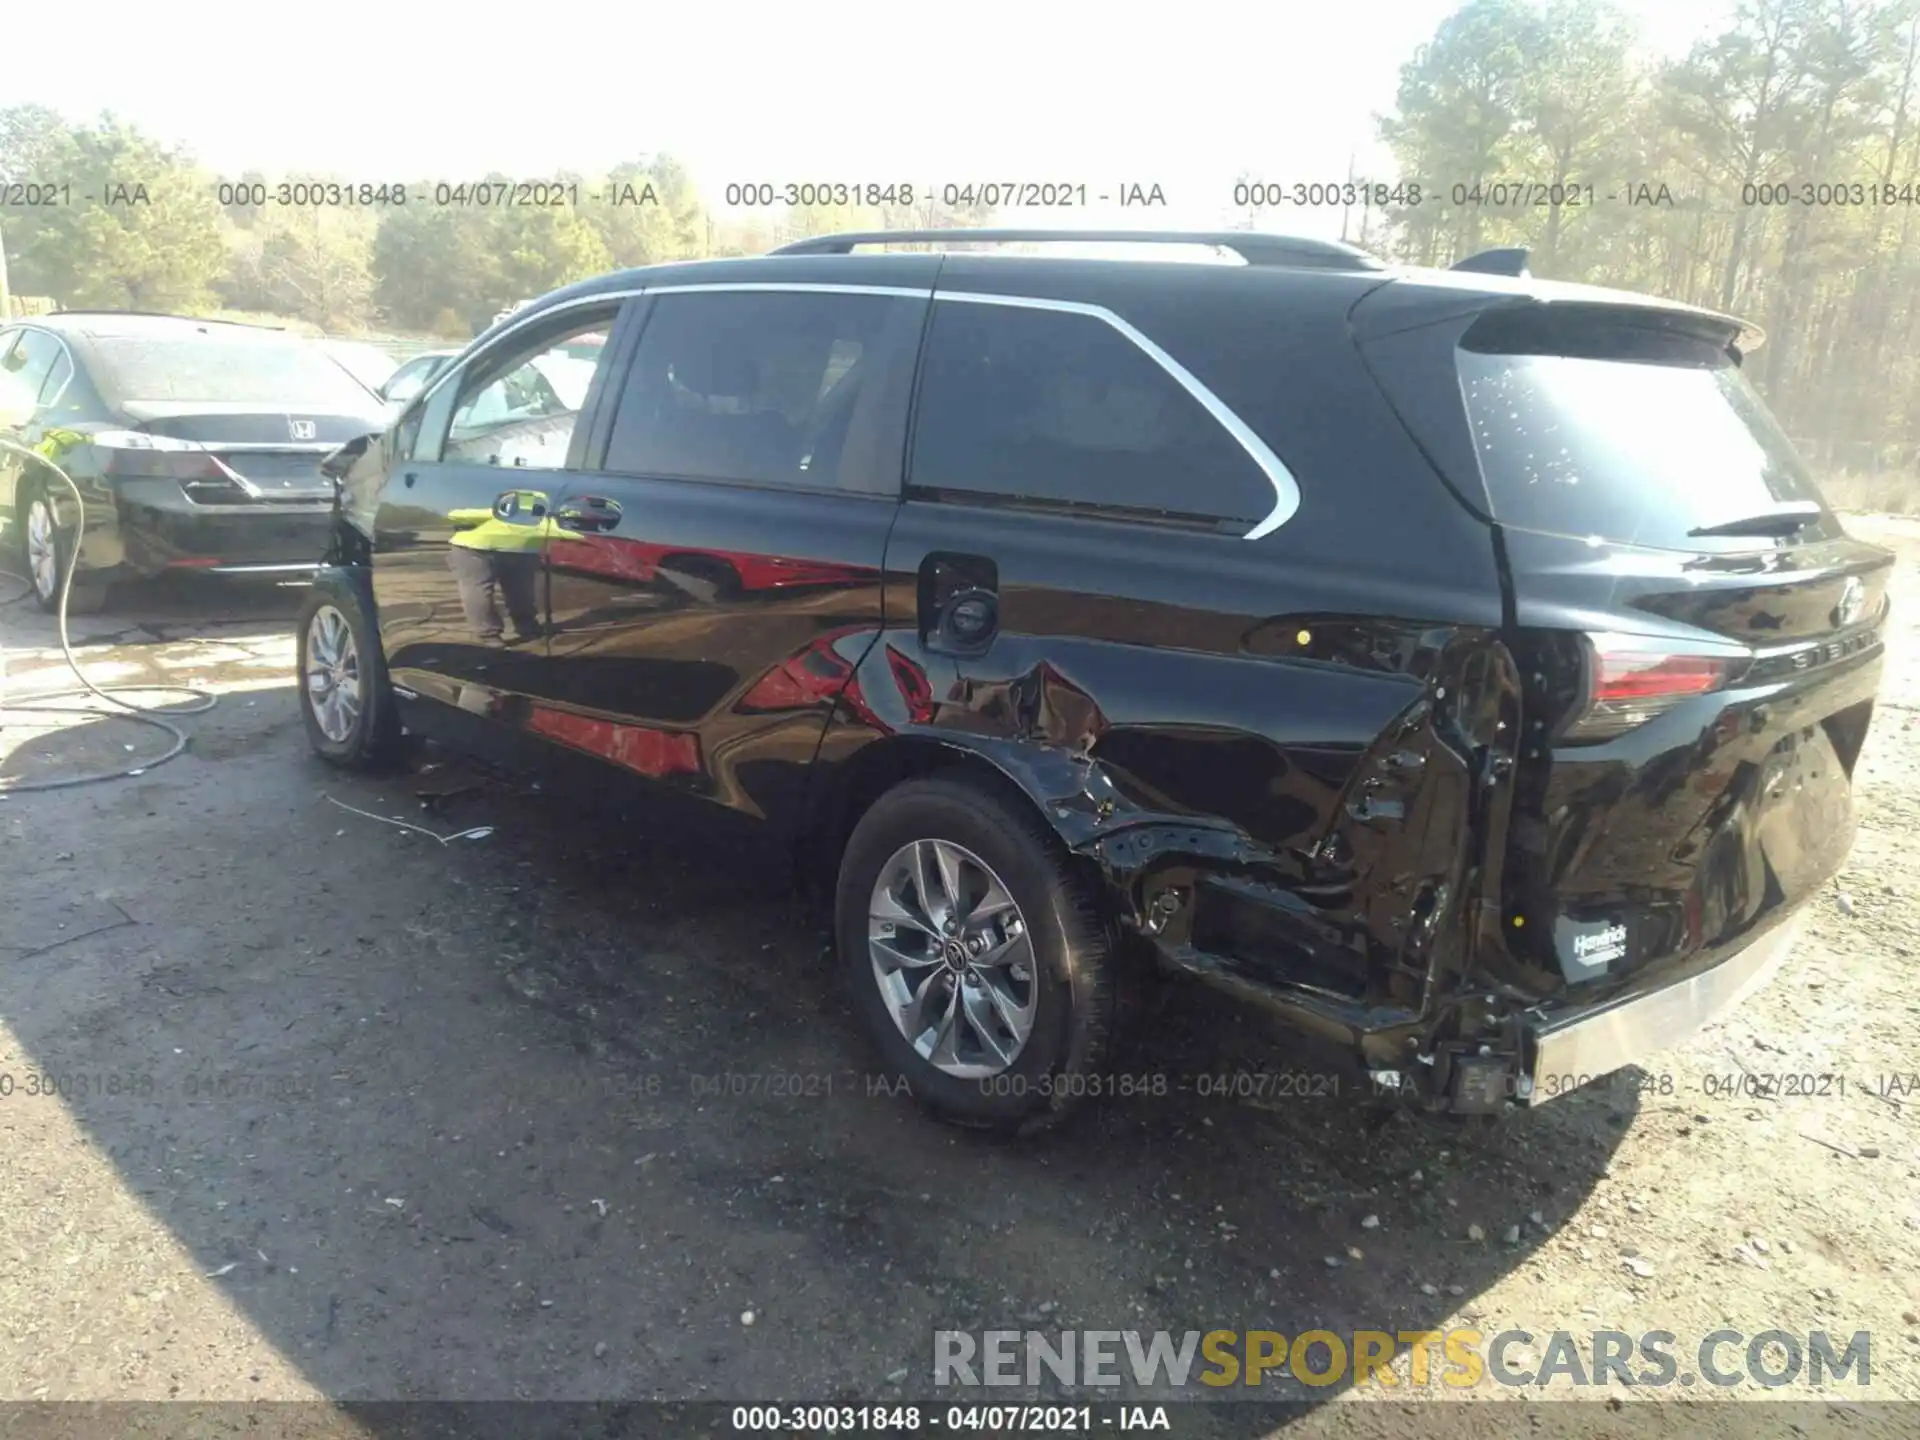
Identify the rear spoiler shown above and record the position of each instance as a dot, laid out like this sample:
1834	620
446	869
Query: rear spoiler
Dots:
1437	297
1744	336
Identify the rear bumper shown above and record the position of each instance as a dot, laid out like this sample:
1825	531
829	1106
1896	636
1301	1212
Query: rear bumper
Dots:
1568	1051
300	567
153	532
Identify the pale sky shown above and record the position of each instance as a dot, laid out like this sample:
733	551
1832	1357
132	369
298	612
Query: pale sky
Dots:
1185	95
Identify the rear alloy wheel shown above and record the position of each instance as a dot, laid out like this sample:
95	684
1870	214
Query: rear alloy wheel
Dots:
48	551
953	959
976	955
344	697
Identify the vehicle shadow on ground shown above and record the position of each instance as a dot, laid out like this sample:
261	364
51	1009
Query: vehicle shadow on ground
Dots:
575	1110
64	748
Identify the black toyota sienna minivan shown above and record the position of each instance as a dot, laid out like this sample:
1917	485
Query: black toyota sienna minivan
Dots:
1460	666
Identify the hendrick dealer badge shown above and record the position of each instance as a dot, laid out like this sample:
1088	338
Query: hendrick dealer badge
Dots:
1587	947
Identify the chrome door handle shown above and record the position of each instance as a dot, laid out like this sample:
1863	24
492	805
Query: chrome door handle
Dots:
589	515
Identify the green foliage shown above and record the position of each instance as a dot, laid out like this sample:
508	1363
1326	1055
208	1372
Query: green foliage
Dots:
1791	93
451	268
30	136
537	250
241	209
420	266
1460	107
313	264
429	267
157	246
649	212
1788	93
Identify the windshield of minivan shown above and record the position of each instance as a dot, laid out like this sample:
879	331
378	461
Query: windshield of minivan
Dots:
1638	448
228	370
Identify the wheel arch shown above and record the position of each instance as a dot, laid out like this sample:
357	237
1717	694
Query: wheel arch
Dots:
1101	976
353	581
37	478
379	740
845	792
348	549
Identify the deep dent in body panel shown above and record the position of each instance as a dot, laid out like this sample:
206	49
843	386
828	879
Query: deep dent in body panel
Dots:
1342	894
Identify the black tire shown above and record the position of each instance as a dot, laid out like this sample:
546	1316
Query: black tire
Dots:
1082	975
374	741
84	596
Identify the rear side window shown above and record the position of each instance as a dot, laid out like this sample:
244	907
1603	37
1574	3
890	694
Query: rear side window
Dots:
1642	437
799	389
1060	407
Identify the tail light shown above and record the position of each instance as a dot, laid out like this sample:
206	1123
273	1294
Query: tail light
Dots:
136	455
1633	678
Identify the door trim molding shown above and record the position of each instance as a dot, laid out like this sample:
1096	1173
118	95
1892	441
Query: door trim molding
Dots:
1286	489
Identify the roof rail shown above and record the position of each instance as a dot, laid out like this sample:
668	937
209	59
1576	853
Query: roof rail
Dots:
1254	248
1496	262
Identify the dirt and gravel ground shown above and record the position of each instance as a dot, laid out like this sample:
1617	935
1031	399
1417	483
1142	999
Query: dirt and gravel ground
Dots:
345	1112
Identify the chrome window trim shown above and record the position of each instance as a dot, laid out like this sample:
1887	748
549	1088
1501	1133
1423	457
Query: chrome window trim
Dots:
910	292
530	316
292	447
460	361
1286	490
306	505
405	366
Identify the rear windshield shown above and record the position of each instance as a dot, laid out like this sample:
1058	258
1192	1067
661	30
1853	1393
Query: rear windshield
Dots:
1640	439
287	374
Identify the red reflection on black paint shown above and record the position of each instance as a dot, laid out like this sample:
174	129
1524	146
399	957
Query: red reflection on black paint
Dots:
641	562
910	676
814	675
640	748
820	673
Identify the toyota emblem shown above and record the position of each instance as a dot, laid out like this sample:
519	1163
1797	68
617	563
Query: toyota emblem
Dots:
1853	602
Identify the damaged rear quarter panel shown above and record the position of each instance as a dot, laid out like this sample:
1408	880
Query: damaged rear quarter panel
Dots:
1224	722
1258	725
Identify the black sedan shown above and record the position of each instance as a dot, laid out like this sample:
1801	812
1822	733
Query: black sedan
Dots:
197	444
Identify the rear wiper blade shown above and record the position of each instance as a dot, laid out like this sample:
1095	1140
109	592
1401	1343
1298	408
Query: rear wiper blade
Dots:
1794	516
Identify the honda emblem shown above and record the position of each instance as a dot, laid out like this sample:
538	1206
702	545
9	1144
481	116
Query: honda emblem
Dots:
302	429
